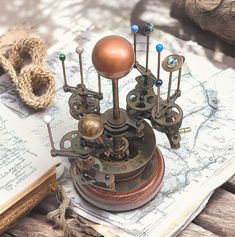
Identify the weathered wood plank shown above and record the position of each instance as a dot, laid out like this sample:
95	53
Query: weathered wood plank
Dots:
219	215
230	185
49	204
5	235
32	227
194	230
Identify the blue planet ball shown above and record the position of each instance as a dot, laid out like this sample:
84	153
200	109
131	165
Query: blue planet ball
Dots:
159	48
158	82
134	28
172	62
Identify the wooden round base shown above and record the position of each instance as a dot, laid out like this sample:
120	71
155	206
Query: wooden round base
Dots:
128	194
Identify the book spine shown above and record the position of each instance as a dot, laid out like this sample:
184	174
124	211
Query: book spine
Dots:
26	204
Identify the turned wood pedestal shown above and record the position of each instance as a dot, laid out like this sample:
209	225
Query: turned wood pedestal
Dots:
128	194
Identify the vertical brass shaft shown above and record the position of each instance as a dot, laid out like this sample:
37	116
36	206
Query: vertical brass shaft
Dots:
116	109
147	53
99	84
169	87
117	140
117	143
179	79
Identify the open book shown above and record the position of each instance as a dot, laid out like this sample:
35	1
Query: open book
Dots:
27	172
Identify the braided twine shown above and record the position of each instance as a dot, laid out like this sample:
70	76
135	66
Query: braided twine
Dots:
30	78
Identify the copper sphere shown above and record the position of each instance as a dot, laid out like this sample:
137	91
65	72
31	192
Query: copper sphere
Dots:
90	126
113	57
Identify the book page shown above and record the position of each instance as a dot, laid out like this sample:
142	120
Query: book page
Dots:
21	162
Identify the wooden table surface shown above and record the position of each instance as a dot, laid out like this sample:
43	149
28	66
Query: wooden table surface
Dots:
217	218
51	19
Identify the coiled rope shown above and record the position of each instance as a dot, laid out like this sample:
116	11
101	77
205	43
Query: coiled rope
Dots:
30	78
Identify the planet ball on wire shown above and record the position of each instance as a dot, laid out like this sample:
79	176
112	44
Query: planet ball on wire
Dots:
113	57
90	126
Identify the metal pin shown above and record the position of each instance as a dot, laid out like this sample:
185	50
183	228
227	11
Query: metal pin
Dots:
62	58
64	74
79	52
158	65
169	88
159	48
184	130
47	119
135	45
148	29
134	29
158	100
158	85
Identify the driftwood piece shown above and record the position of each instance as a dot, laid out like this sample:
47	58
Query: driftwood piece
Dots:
49	204
219	215
217	16
33	227
194	230
230	185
